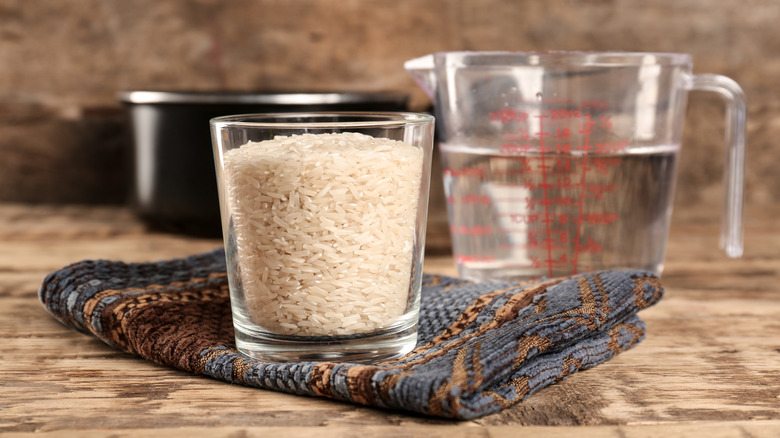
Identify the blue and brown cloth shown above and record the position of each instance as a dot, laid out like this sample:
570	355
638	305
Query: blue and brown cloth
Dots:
482	346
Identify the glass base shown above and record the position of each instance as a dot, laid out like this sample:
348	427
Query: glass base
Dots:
365	347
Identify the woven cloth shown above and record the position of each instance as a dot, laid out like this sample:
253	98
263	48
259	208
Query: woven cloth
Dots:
482	346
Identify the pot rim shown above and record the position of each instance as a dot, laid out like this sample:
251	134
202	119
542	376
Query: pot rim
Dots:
141	97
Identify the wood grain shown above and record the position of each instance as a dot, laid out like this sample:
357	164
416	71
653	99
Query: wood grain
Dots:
710	365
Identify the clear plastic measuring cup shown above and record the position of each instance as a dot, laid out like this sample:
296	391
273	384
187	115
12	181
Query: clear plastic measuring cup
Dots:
564	162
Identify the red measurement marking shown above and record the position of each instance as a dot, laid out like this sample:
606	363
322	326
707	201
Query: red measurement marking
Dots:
531	218
563	164
549	171
553	230
520	136
523	134
515	148
560	261
551	178
522	163
597	218
543	166
465	258
470	199
565	114
585	147
606	123
611	148
563	183
508	115
596	191
586	128
562	133
477	230
545	200
589	246
602	165
545	186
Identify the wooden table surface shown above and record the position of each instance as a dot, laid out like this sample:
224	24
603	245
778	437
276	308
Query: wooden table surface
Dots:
709	367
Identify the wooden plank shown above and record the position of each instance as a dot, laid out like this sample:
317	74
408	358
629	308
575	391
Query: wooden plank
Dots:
709	365
721	429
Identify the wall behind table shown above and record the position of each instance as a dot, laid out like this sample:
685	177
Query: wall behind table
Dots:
63	137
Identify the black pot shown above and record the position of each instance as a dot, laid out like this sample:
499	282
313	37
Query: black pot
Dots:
174	187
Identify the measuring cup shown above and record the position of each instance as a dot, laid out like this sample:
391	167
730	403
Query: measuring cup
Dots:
564	162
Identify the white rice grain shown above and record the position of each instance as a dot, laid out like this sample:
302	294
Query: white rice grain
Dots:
324	228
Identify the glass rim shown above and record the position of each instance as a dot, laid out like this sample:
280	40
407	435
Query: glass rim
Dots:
579	57
318	119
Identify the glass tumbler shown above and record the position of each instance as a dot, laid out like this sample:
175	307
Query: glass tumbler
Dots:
323	218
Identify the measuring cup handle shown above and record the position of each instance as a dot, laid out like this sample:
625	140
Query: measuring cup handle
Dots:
733	175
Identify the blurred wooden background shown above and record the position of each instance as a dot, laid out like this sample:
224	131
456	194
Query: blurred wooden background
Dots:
64	138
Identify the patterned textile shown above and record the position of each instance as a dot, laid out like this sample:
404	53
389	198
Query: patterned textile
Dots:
482	346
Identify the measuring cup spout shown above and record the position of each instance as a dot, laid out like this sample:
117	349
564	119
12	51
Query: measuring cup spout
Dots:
422	71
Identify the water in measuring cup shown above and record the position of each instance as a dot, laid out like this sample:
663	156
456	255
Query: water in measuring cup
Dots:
528	215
